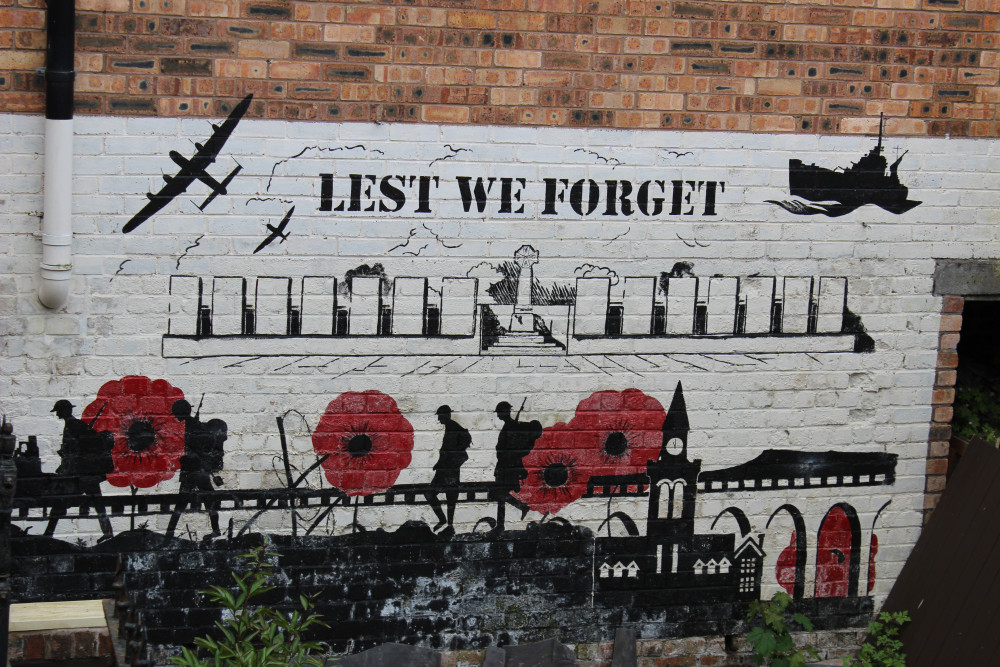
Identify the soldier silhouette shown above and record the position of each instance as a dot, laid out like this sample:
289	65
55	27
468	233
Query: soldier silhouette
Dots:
85	455
200	465
448	467
516	440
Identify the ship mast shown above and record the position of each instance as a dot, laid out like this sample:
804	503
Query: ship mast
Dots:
881	120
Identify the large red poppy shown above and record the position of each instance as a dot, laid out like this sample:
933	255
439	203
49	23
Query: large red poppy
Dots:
558	470
368	440
623	428
612	433
149	441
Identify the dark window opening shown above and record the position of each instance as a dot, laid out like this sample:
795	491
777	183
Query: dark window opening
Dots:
977	384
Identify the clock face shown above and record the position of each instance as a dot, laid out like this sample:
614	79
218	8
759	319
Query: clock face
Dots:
675	446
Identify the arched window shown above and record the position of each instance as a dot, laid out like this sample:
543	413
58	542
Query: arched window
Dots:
838	553
671	499
677	500
790	567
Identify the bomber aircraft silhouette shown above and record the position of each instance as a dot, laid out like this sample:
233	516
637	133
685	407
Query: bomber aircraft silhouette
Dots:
194	169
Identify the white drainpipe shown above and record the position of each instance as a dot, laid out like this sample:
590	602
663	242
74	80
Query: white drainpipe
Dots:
57	219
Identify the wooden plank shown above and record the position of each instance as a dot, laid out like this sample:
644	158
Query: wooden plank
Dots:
908	589
980	635
956	592
949	582
31	616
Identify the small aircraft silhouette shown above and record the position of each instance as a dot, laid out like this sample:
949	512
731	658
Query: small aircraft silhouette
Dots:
276	231
194	169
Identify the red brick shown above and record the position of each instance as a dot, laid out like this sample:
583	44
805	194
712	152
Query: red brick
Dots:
951	322
773	123
946	378
295	70
258	48
947	360
467	19
779	87
939	449
953	304
370	15
935	483
943	415
661	101
948	341
34	647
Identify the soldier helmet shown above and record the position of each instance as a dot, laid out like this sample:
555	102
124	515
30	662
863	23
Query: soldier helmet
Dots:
62	404
444	410
503	406
181	409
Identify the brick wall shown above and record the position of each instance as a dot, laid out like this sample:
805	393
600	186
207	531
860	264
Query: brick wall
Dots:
733	382
89	647
931	66
944	397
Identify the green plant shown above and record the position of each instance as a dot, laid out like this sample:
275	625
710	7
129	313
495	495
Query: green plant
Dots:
977	412
255	636
882	648
772	642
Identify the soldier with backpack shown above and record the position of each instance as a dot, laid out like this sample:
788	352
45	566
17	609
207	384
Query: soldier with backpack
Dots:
201	463
516	440
85	456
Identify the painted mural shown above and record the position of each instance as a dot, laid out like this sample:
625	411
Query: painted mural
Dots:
475	393
619	445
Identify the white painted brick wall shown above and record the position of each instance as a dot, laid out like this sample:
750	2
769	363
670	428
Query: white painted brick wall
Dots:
739	406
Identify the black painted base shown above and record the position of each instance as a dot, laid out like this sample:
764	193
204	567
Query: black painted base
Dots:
410	586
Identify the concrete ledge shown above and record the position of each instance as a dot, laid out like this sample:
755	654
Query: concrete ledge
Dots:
968	277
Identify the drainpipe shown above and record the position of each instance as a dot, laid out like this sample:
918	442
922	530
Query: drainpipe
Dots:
57	220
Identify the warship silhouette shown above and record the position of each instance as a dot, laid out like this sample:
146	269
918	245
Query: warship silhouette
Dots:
870	180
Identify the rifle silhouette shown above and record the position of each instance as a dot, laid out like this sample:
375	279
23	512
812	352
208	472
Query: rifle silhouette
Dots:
98	414
523	401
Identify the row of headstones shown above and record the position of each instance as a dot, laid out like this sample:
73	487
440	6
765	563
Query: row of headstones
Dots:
685	305
717	305
278	308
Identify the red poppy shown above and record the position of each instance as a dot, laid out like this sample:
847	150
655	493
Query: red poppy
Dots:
368	440
558	470
149	441
623	428
612	433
